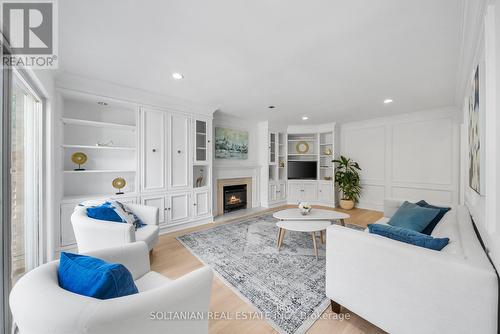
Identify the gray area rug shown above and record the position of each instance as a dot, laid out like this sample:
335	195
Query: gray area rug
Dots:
288	286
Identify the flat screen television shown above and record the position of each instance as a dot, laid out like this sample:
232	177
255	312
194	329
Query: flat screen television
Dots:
302	170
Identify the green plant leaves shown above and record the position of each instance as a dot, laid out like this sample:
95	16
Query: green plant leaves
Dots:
347	178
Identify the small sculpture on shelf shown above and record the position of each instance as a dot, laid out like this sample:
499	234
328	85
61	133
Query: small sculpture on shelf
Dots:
108	144
79	158
199	179
327	151
119	183
282	163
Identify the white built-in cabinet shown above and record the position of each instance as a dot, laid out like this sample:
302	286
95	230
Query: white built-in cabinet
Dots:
178	175
280	147
154	150
325	192
164	156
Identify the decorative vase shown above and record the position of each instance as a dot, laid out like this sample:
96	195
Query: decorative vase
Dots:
305	212
346	204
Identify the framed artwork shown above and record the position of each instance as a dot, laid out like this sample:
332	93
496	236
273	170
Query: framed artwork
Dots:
474	136
231	144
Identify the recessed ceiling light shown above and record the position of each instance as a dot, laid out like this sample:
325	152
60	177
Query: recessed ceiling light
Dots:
102	103
387	101
305	118
177	76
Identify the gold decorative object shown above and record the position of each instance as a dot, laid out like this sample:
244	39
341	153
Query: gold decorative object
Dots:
328	151
119	183
302	147
79	158
282	163
327	178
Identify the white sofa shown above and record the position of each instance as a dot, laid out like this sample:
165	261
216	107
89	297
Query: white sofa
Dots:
93	234
39	305
403	288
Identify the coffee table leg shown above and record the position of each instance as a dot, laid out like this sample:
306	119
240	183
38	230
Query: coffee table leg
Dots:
342	222
282	236
279	237
322	236
314	244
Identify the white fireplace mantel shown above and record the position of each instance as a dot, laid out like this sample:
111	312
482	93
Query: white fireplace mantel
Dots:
237	171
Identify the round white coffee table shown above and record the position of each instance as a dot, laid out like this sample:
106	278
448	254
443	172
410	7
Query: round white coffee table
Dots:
308	226
315	214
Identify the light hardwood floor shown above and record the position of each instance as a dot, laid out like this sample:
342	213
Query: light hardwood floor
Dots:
173	260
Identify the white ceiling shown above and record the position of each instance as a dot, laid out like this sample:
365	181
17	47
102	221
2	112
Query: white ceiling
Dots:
330	60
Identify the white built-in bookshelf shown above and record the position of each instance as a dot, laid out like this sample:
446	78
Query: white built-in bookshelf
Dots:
106	132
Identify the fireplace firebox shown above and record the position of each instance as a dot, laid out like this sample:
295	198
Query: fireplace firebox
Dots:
235	197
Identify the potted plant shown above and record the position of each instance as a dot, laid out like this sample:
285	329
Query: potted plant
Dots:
347	178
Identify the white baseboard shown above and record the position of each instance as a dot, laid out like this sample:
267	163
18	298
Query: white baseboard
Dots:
181	226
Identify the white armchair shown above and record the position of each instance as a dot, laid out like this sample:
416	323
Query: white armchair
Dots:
92	234
39	305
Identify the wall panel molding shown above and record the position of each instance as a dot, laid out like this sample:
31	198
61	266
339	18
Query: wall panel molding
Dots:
412	156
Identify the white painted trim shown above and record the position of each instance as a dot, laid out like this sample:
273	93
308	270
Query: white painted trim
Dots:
108	90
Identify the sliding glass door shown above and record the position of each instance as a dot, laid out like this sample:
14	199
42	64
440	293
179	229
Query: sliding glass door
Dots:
25	149
21	170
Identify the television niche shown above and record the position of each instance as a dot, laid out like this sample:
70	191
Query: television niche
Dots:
302	170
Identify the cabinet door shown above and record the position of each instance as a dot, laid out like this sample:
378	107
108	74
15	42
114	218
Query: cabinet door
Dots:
272	148
65	227
294	192
201	141
280	192
325	192
309	192
179	152
178	207
201	203
272	192
157	201
153	150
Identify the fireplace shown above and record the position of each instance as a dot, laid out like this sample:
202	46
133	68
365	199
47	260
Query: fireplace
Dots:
235	197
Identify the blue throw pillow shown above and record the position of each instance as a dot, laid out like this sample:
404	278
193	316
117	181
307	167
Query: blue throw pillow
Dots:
408	236
93	277
104	212
442	211
413	217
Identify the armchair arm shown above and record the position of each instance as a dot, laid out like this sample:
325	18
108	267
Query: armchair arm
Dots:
134	256
394	284
148	312
148	214
92	234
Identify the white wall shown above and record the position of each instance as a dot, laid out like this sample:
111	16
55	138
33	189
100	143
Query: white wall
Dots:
483	49
413	156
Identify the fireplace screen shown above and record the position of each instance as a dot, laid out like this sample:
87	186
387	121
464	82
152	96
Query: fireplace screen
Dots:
235	197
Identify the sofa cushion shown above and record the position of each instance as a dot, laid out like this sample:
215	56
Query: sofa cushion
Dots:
435	221
448	227
413	217
104	212
148	234
408	236
93	277
151	280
